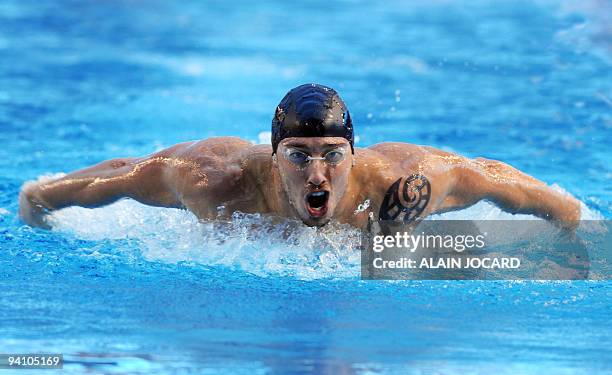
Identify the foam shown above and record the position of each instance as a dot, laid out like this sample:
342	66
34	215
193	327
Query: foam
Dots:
251	243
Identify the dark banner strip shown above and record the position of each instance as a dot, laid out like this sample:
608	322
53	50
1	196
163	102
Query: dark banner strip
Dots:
487	250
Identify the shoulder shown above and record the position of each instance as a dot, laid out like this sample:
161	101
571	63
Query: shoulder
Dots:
214	147
403	177
403	151
388	156
216	152
211	160
406	155
228	161
394	147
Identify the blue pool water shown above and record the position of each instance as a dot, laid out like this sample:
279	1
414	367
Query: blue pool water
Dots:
129	288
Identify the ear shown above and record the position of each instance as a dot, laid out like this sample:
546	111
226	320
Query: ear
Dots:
274	163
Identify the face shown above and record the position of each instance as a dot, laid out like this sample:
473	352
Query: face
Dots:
314	172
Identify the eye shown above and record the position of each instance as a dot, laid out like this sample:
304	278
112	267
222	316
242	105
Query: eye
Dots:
334	157
297	157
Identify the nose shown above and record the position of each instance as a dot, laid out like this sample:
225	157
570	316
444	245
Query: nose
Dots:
316	174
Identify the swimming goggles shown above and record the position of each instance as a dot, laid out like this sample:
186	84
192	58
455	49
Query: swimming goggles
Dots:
297	157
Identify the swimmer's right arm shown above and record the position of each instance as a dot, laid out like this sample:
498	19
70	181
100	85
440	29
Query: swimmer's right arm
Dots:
143	179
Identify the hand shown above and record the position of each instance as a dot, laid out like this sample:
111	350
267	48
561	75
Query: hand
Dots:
31	211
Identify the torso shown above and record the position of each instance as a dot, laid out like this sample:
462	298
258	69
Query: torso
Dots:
219	176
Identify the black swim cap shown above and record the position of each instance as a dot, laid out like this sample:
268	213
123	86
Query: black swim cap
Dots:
311	110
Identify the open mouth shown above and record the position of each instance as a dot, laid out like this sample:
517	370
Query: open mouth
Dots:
316	203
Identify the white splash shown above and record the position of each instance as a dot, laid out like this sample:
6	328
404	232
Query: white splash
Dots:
250	243
264	138
362	207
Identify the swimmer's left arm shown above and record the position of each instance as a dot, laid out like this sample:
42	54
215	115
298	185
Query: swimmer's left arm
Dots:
510	189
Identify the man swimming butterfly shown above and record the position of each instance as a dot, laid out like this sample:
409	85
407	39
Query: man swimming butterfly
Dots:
311	172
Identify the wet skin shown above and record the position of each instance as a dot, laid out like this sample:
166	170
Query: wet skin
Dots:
393	181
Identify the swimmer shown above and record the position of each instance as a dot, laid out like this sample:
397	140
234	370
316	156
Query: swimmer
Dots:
311	172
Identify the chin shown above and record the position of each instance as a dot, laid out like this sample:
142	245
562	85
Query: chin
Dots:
315	222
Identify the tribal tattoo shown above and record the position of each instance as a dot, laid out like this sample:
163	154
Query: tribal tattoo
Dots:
416	192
